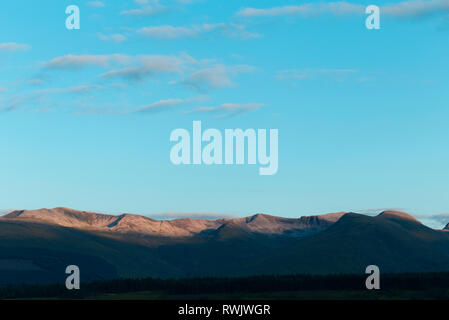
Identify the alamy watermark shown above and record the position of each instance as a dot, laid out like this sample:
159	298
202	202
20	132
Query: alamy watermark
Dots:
373	20
73	280
72	22
373	280
189	148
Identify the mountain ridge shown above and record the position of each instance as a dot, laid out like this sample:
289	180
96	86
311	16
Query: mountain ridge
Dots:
184	227
37	245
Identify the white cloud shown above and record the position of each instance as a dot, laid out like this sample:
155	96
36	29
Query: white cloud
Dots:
184	69
80	61
168	104
130	73
147	66
215	77
172	32
417	8
167	32
20	100
13	46
96	4
116	37
335	8
413	8
209	78
295	74
145	9
228	109
151	7
5	211
74	89
291	74
134	64
437	221
161	105
35	82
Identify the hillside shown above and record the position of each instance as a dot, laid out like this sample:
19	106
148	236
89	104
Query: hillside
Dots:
394	241
35	246
132	223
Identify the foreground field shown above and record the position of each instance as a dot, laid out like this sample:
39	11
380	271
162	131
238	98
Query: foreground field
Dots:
424	286
441	294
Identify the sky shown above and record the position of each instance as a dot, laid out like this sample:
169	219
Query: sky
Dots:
86	115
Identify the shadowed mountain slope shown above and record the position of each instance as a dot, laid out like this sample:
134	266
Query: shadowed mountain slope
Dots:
394	241
37	245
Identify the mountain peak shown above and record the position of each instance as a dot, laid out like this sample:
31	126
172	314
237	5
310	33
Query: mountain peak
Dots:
259	223
396	214
260	217
63	216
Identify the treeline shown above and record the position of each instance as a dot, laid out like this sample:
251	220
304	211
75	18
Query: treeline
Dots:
224	285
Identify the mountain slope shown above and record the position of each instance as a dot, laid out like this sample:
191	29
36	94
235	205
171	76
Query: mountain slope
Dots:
125	223
37	245
38	253
394	241
64	217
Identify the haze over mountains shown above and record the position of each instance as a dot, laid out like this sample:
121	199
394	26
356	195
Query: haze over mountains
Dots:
37	245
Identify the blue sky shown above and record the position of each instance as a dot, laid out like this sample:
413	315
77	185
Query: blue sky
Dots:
86	115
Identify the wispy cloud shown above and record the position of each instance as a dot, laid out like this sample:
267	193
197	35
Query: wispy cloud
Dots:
169	32
227	109
201	75
417	8
5	211
334	8
133	67
437	221
167	104
152	7
74	89
81	61
19	101
96	4
161	105
116	37
145	11
13	46
145	8
409	9
35	82
148	66
215	77
297	74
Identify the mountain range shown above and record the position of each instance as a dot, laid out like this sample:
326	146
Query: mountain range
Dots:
37	245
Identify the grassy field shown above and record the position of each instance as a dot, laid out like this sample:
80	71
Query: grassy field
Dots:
426	286
287	295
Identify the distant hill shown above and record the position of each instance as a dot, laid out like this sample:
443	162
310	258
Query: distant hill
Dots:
36	245
394	241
